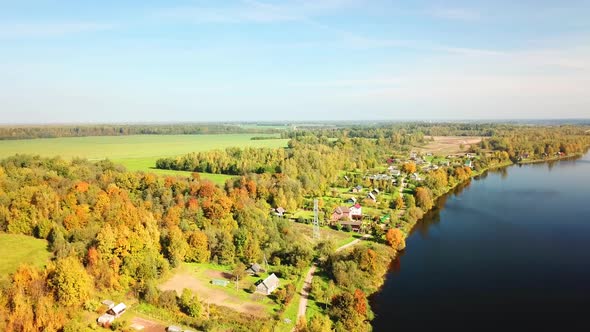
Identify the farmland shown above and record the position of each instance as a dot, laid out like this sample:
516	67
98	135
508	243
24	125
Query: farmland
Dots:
136	152
20	249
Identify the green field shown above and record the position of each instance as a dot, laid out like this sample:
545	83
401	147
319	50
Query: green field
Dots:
21	249
136	152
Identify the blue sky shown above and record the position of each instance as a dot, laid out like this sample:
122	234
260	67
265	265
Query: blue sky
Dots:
142	61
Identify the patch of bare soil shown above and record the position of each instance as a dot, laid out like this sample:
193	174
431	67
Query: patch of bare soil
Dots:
212	294
450	144
148	325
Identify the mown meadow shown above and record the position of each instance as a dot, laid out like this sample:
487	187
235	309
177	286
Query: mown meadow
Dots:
136	152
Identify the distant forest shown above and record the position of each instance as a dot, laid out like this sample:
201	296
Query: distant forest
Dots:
286	130
22	132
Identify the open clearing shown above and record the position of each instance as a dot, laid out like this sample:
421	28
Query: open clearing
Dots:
444	145
16	249
148	325
136	152
197	277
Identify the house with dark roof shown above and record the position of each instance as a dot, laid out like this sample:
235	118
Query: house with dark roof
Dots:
351	200
254	268
356	189
341	212
268	285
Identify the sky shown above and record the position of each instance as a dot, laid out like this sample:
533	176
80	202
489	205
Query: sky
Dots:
261	60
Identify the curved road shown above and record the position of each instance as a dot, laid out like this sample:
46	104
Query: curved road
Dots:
309	277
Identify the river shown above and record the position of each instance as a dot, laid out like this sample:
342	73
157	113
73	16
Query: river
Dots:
510	250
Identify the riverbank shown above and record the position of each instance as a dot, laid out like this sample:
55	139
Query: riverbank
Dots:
450	190
502	248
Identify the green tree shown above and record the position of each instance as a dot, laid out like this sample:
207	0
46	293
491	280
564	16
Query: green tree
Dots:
189	303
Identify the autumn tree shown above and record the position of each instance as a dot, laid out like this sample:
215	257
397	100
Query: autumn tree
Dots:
409	167
423	198
395	238
198	247
71	282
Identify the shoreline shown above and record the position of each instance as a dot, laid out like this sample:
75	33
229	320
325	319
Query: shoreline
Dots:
370	297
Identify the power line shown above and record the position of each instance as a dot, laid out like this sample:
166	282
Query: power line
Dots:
316	222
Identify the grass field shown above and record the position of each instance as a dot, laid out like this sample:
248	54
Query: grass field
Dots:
21	249
136	152
197	277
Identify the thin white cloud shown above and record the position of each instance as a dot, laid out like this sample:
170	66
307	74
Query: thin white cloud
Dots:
27	30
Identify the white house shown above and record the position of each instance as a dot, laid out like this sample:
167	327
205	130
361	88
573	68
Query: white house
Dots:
415	177
356	211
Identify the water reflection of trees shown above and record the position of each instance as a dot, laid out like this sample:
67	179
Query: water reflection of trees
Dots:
432	217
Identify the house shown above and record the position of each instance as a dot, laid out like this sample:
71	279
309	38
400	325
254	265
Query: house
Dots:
355	225
279	211
268	285
413	155
468	163
117	310
394	171
254	268
341	212
375	191
346	178
351	200
356	211
415	177
356	189
372	197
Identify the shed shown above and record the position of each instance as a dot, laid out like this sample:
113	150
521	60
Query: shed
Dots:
280	211
118	310
254	268
105	320
173	328
268	285
108	303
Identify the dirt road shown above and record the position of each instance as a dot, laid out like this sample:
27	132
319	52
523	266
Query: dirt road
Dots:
309	277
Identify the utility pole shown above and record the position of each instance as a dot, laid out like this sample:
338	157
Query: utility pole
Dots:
316	222
265	263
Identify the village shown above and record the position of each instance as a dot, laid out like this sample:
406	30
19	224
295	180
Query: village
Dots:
361	201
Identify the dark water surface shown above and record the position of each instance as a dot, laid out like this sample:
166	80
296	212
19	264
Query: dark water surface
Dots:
509	251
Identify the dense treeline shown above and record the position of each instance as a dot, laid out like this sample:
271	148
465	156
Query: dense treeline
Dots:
539	142
121	130
112	230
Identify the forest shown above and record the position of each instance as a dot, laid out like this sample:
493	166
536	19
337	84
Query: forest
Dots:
110	230
49	131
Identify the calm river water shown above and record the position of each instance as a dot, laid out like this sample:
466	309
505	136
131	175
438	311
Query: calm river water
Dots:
510	250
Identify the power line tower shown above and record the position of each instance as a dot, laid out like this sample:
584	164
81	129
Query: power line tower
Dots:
316	222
